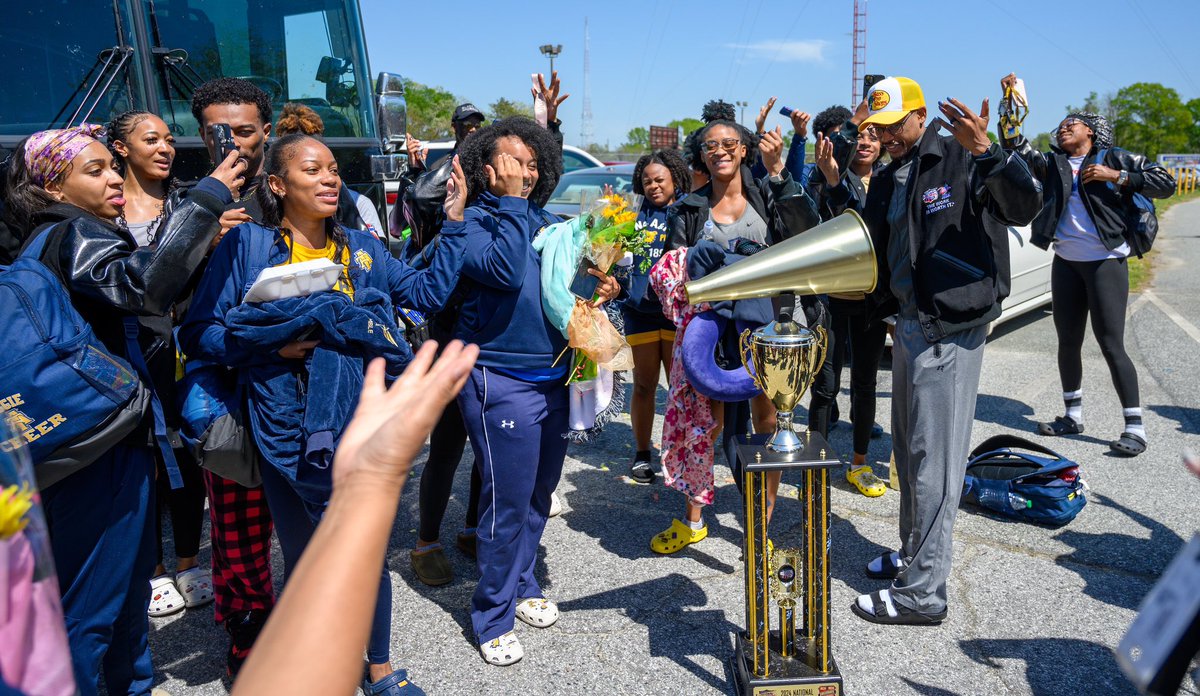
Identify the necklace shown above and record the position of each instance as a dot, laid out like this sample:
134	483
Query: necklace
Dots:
152	229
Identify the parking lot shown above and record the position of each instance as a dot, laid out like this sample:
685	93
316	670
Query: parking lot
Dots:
1033	610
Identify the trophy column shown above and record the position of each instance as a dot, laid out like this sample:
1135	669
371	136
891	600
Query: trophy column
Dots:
797	580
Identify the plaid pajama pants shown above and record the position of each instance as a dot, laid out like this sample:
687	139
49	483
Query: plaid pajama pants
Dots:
241	547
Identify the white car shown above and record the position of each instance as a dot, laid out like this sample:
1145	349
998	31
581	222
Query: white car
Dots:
1030	269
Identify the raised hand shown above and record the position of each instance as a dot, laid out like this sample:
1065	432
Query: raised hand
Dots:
231	172
765	111
390	425
825	161
860	113
771	149
416	153
550	95
969	129
1009	80
800	121
456	193
506	178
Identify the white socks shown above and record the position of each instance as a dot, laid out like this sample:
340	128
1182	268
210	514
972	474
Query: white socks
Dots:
865	603
697	525
1133	422
1074	402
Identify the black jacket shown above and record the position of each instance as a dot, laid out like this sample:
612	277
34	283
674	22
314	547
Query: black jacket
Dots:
1108	205
109	277
959	210
784	206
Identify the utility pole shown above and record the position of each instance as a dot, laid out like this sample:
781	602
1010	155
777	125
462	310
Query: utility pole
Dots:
743	106
551	50
859	68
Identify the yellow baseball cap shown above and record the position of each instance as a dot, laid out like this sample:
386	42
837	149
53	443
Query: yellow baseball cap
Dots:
891	99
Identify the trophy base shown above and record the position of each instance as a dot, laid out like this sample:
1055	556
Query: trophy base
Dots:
814	452
788	676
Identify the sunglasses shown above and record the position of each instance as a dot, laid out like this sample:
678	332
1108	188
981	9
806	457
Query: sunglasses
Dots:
726	144
896	127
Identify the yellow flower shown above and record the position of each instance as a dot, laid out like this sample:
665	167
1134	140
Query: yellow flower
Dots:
13	506
623	217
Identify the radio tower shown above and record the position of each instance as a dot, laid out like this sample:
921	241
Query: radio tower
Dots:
585	123
860	51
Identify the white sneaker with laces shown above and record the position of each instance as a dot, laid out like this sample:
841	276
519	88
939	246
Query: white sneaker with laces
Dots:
502	651
538	612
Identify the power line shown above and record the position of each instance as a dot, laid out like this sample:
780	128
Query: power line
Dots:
1007	12
1164	45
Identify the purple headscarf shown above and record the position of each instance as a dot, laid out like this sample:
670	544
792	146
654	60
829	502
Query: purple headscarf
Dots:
48	153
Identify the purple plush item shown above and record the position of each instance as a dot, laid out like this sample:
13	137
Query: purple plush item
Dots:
699	363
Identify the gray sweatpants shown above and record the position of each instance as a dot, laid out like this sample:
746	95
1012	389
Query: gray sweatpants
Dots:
934	386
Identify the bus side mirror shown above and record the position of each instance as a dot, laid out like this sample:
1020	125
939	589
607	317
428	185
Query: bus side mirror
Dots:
391	111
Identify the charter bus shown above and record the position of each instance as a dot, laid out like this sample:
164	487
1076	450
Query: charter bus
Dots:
67	61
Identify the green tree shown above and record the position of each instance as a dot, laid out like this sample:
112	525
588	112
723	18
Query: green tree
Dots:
430	110
503	108
1151	119
637	140
688	125
1041	142
1194	107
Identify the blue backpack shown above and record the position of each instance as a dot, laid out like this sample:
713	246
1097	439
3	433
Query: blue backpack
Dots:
66	395
1141	221
1017	478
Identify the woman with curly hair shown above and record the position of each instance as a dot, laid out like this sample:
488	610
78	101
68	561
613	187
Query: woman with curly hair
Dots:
730	216
661	177
515	403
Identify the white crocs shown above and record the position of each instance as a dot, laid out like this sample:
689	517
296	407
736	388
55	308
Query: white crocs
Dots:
538	612
555	506
502	651
196	586
164	597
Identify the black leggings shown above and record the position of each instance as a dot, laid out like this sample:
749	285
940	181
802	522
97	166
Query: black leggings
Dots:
852	331
1101	289
186	505
446	445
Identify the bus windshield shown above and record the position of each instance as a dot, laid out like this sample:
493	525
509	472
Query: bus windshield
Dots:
306	51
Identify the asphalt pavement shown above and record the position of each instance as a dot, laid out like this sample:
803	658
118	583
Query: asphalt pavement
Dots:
1032	610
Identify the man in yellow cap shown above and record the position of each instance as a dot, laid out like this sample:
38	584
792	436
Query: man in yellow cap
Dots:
938	216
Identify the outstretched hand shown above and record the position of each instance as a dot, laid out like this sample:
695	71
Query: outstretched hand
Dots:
390	425
969	129
549	95
800	121
825	161
765	111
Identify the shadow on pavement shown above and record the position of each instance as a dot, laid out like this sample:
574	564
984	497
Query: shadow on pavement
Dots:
1055	665
677	631
1106	561
1187	418
926	689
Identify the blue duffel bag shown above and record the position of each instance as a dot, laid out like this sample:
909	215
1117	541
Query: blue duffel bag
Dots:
1025	481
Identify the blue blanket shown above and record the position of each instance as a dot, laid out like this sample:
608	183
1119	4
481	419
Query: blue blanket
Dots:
299	410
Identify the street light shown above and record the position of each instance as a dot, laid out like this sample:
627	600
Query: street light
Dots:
551	50
743	105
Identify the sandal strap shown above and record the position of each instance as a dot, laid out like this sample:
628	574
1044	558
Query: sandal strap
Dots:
877	604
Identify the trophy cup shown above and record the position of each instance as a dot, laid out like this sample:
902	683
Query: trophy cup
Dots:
784	357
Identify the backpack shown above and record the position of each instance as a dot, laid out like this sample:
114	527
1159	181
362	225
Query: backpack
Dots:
66	395
213	404
1025	481
1141	221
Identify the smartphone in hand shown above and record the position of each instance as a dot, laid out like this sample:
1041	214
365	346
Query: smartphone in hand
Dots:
869	82
221	142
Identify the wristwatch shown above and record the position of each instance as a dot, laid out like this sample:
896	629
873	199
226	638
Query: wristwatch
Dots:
1122	178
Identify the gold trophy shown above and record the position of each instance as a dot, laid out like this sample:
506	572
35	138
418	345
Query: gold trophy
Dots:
784	357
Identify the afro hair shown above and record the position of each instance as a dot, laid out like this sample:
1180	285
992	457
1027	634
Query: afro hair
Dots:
673	161
230	90
830	120
479	148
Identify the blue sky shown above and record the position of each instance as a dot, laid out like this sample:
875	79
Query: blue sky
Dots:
653	61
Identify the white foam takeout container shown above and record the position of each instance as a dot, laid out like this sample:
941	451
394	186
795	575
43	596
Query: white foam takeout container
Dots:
294	280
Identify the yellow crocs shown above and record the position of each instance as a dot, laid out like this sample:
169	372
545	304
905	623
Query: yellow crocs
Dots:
677	537
866	481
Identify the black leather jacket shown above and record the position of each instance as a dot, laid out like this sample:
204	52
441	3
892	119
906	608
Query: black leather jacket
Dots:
1107	204
784	206
108	276
959	210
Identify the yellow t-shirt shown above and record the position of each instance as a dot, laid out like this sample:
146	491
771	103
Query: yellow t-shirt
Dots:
301	253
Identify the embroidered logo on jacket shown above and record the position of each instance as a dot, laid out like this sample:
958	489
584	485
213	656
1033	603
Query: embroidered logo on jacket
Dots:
937	199
363	260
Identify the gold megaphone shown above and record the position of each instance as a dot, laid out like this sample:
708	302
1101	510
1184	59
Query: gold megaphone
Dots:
835	256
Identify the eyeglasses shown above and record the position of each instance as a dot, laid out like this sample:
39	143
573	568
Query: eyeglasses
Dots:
1068	124
896	127
726	144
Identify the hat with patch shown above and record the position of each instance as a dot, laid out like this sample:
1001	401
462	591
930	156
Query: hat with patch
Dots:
464	111
890	100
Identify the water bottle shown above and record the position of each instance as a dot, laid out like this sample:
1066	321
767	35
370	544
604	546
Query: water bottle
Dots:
709	230
1019	502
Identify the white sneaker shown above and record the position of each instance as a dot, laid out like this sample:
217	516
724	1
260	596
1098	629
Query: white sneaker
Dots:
538	612
555	505
502	651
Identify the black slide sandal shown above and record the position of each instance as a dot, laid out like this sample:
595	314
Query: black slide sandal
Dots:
904	615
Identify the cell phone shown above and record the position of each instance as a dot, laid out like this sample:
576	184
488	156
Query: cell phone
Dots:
786	111
222	142
869	82
584	284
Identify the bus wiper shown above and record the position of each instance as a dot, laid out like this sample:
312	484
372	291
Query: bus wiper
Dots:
173	68
111	63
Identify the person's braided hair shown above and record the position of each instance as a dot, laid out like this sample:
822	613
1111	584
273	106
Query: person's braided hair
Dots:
120	128
479	148
673	161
